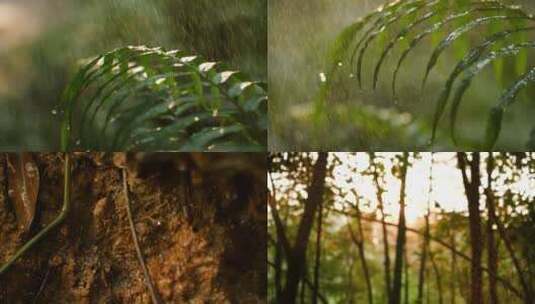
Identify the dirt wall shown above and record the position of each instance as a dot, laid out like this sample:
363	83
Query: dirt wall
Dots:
201	222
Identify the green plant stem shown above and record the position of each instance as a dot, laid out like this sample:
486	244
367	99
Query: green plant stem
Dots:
58	220
148	279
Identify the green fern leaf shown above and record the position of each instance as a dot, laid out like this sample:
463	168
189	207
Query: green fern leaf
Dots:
140	98
506	35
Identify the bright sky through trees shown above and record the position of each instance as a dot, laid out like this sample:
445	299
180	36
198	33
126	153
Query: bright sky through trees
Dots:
448	190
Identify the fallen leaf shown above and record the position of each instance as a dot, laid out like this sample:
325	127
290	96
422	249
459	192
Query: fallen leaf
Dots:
23	186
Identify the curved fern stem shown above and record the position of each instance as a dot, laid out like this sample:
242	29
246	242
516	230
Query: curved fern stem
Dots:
58	220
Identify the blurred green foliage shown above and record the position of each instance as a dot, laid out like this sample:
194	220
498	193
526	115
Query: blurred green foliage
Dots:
36	70
305	57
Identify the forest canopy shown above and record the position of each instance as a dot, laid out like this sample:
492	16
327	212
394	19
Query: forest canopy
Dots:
401	227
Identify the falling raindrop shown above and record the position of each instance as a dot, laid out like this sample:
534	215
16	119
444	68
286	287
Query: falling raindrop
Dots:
322	76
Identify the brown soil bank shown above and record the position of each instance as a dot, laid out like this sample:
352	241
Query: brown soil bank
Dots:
200	219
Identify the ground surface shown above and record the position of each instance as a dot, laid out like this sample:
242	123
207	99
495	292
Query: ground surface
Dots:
213	254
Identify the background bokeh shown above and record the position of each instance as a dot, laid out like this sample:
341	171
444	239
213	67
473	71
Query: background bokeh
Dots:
42	42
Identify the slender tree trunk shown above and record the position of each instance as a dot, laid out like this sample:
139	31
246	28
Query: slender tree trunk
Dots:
379	193
282	243
516	263
425	245
438	278
365	268
318	256
401	237
360	246
505	282
453	268
427	289
423	262
349	288
302	294
471	187
296	266
406	301
526	289
278	270
491	244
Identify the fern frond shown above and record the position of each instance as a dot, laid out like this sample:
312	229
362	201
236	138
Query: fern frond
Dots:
416	20
140	98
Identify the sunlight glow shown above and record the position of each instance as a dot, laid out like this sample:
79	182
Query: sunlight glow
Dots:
447	191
